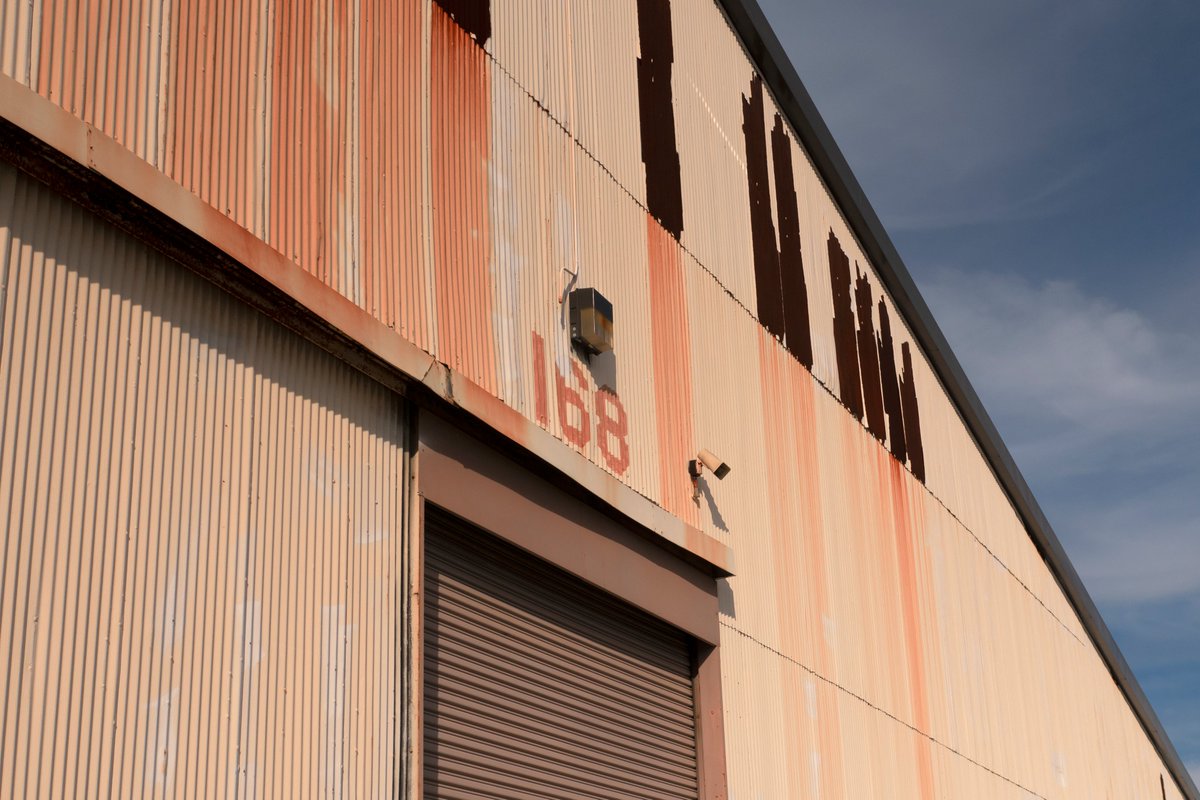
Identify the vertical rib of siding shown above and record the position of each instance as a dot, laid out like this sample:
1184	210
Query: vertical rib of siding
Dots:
214	145
461	95
101	61
578	61
669	330
203	531
311	177
394	250
711	75
18	45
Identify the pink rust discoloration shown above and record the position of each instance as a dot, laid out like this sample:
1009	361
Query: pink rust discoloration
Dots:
913	571
109	159
672	371
460	98
870	519
798	545
394	249
212	144
310	45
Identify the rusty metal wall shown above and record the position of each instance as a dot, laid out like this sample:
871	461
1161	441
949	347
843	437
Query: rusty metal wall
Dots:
456	189
202	533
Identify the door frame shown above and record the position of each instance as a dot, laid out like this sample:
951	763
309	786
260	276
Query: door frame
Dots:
470	480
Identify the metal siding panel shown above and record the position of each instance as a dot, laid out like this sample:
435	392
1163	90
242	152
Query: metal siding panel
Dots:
711	76
559	223
460	148
538	684
395	249
578	61
203	536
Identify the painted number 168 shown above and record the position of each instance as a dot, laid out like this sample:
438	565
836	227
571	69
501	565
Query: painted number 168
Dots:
611	423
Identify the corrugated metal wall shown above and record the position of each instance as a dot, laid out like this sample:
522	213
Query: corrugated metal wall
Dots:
457	189
203	533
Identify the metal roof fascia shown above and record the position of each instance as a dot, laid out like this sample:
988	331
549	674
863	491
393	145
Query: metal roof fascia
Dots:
794	101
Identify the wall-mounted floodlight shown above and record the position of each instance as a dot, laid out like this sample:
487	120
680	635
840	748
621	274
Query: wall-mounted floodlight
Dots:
591	321
705	458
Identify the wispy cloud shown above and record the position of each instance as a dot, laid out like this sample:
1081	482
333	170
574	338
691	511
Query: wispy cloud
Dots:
1090	393
1138	552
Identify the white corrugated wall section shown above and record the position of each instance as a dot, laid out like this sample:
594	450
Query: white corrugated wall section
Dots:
202	526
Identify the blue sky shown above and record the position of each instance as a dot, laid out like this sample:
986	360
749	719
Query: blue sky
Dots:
1038	166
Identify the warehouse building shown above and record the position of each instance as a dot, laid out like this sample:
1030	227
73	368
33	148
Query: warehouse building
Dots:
497	399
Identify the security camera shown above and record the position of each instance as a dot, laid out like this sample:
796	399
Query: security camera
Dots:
696	466
718	467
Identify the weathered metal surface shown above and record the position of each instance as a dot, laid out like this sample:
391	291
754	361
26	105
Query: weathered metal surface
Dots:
202	527
456	189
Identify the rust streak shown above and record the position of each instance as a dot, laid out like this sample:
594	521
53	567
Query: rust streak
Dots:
909	564
393	242
672	370
461	99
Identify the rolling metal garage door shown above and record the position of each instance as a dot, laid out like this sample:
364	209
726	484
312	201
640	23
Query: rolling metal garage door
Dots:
538	685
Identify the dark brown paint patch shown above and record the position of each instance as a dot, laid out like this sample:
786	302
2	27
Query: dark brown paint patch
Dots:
868	356
791	262
780	290
844	336
767	283
664	193
891	386
912	417
473	16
